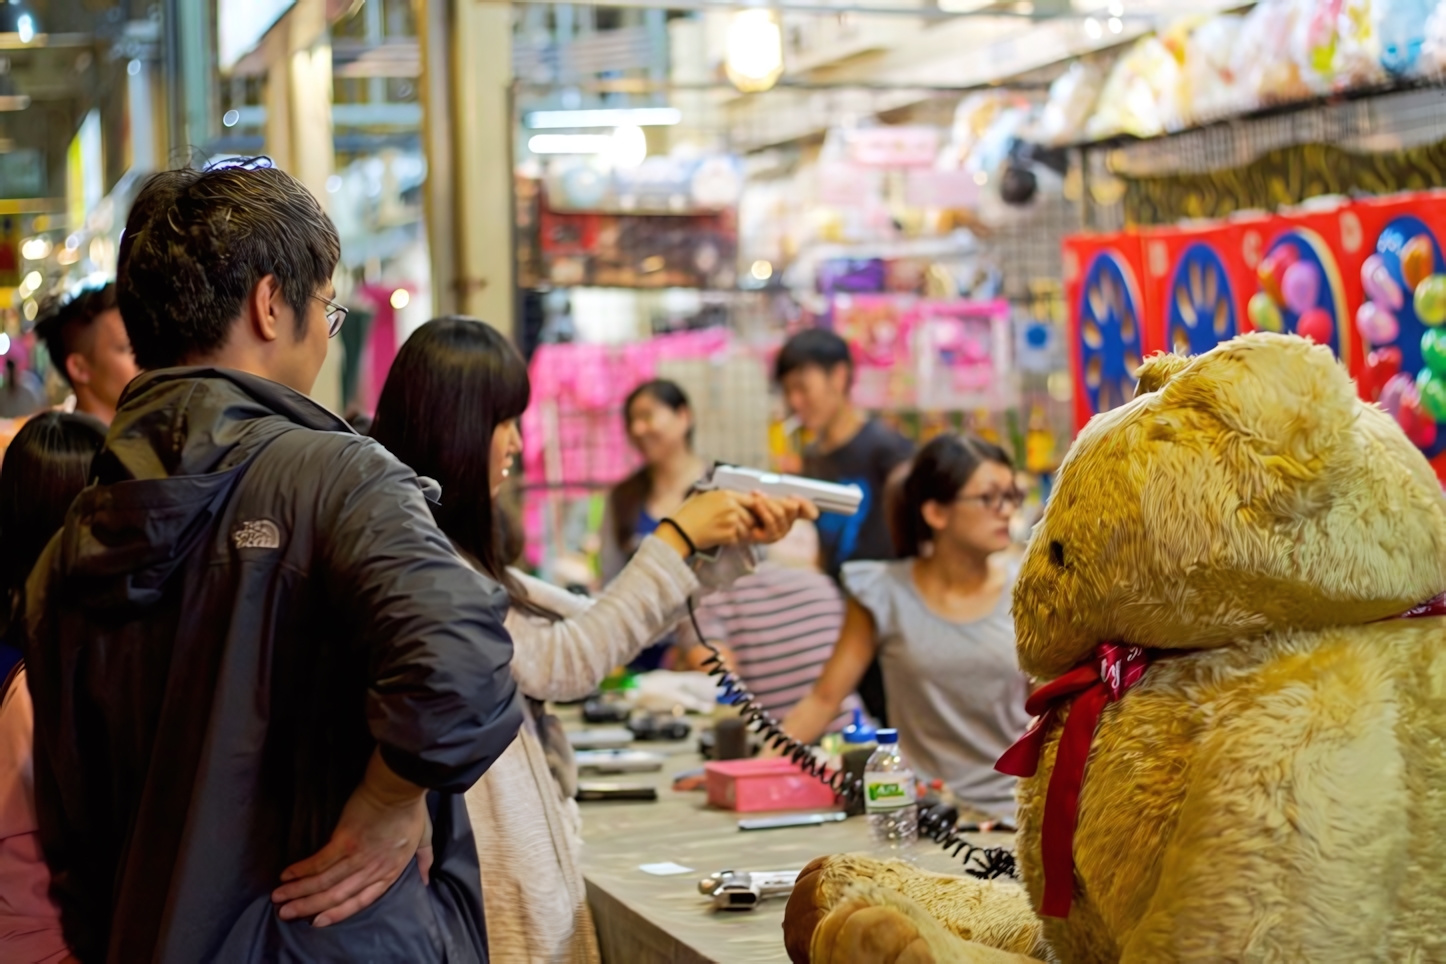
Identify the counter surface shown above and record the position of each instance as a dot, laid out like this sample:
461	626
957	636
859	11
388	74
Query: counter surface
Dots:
642	918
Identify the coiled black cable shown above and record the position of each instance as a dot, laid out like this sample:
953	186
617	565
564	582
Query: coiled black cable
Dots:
985	863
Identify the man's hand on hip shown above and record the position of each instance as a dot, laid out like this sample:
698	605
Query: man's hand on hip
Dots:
383	825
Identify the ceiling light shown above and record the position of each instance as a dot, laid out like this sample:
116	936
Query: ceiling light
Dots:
761	270
25	27
1093	29
1116	25
964	6
333	184
629	147
31	310
1117	8
32	281
569	143
401	298
4	343
754	58
635	117
35	249
231	118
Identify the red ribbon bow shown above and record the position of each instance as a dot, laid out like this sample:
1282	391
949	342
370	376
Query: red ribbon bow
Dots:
1114	670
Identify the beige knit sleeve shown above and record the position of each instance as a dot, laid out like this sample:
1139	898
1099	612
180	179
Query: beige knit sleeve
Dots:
566	659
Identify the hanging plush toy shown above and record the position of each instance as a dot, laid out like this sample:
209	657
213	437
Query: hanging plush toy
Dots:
1240	752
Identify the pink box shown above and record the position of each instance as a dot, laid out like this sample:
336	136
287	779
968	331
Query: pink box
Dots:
771	784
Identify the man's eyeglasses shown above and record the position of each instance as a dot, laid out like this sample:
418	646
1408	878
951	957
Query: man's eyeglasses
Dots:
996	501
335	315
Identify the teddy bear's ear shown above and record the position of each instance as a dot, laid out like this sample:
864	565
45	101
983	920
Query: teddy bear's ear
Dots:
1286	407
1157	370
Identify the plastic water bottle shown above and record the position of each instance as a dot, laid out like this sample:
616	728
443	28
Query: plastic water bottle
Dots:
890	798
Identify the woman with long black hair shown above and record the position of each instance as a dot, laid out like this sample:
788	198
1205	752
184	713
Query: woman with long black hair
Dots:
450	410
46	466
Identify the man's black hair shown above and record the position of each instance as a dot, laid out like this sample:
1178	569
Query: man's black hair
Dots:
816	346
65	325
197	242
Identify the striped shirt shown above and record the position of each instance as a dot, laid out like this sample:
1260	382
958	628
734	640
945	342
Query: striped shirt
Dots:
781	625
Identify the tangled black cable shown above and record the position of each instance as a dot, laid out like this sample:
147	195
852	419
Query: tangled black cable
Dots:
985	863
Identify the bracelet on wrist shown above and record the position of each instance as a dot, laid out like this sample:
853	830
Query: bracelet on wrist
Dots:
687	539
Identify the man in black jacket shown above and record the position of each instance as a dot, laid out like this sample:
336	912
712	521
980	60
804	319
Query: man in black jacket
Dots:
252	654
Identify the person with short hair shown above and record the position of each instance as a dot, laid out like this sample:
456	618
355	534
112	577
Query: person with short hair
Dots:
262	676
89	347
815	369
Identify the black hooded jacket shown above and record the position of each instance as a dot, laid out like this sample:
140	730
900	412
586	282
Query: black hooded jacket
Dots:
248	602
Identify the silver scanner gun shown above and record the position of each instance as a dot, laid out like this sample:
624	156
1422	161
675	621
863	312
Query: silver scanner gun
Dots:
828	496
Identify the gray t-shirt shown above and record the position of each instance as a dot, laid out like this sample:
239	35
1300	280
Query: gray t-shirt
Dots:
955	690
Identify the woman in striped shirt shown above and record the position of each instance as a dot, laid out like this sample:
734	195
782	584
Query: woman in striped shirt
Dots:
776	626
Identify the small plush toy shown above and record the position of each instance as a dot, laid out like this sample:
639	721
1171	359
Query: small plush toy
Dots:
1241	752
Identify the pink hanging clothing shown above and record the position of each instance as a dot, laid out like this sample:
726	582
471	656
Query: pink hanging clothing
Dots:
29	919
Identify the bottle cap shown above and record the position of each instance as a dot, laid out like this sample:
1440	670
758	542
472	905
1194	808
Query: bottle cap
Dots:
859	730
888	736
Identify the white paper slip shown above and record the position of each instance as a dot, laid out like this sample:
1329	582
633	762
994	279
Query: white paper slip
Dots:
665	869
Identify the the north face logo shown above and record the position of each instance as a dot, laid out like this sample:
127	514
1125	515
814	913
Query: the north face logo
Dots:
257	534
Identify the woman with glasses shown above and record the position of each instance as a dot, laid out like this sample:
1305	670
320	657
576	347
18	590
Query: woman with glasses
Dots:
938	620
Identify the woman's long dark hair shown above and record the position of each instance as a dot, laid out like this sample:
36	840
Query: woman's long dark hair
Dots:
939	473
629	496
452	383
45	467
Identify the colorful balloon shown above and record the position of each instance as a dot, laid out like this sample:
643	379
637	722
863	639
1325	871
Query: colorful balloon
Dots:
1382	365
1264	314
1418	260
1430	300
1433	351
1380	286
1377	325
1300	286
1398	388
1317	325
1432	390
1272	270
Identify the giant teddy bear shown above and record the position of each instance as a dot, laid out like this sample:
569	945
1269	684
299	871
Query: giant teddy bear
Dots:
1253	765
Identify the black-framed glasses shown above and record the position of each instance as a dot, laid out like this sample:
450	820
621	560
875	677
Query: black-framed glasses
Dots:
995	501
335	315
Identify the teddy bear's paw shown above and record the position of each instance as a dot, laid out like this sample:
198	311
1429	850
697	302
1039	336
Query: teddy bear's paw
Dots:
873	924
992	912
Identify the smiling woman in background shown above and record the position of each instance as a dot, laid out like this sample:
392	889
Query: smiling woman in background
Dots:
659	422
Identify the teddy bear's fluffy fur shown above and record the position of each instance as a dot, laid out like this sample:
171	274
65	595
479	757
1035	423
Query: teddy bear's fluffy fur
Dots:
1275	788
